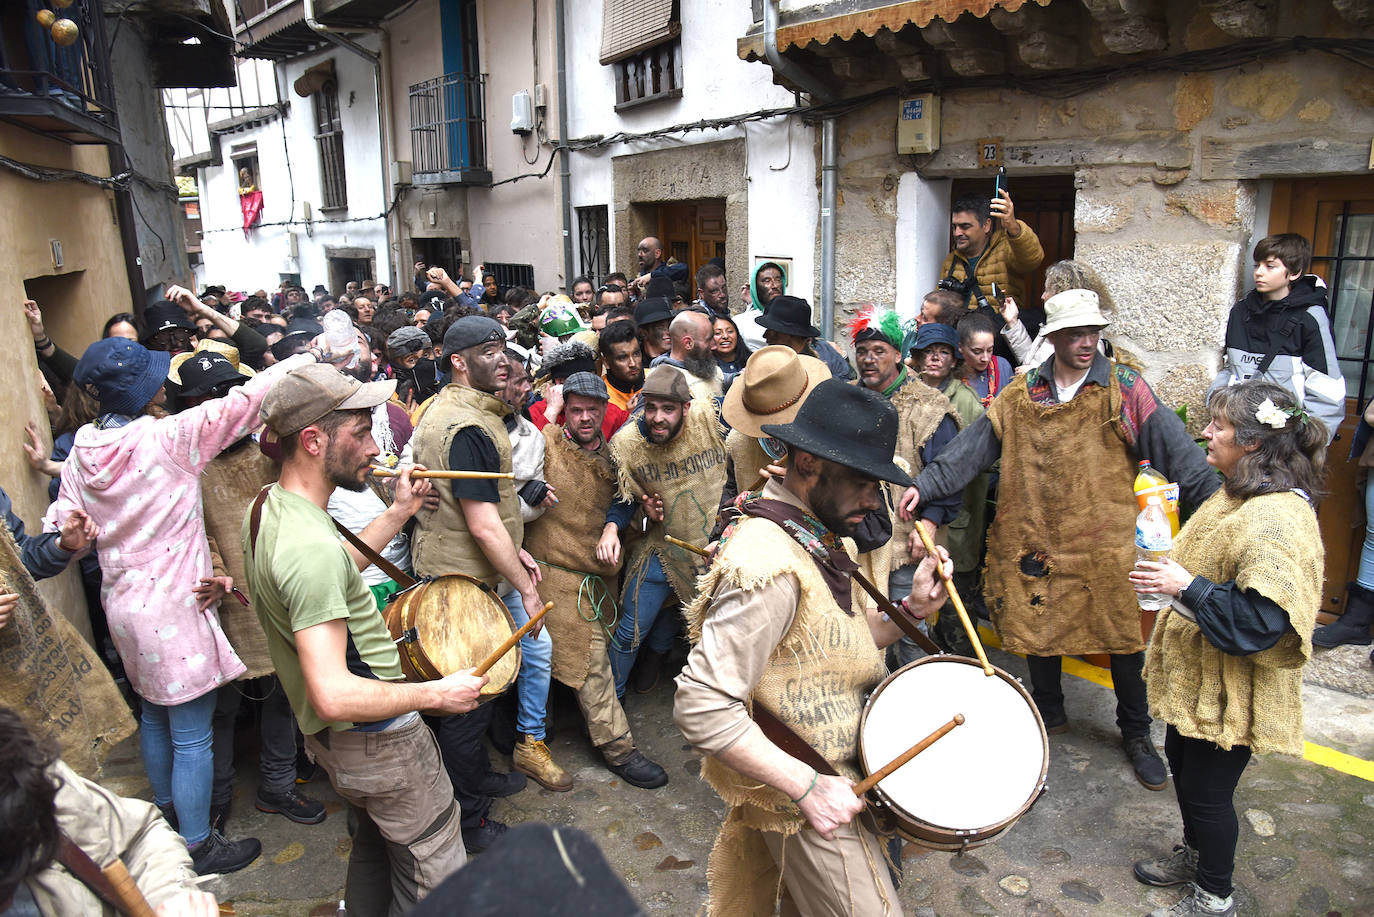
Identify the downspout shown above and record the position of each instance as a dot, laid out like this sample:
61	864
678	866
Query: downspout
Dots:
336	36
565	155
818	91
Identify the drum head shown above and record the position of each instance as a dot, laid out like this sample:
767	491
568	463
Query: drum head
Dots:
982	773
460	622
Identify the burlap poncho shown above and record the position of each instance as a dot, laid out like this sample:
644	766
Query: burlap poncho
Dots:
816	683
688	472
747	458
563	540
1269	544
1063	541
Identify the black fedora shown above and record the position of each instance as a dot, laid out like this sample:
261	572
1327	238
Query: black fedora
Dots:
653	309
789	315
849	425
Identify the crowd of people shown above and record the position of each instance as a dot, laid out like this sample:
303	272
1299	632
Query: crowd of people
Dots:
208	455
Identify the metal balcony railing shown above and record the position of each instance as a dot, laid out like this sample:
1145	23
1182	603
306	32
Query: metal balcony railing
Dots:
64	92
448	131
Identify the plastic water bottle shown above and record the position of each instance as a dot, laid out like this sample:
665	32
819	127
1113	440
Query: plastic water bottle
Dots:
1153	541
1150	483
341	336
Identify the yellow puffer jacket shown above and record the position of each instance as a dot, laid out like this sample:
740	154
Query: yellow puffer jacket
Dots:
1004	259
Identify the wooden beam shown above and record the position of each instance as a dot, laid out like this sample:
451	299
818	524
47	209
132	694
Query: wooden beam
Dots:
1162	149
1340	154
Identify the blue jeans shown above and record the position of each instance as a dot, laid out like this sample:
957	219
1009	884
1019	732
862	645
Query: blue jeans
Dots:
1366	575
640	622
536	668
176	743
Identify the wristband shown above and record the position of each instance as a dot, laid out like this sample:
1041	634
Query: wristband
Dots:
815	775
44	344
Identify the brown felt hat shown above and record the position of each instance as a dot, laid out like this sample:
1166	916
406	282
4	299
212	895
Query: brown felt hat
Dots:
771	389
667	382
309	393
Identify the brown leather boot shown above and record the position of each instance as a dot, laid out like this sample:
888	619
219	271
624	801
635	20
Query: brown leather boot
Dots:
532	758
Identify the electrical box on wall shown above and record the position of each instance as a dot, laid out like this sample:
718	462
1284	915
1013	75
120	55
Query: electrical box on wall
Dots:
521	113
918	124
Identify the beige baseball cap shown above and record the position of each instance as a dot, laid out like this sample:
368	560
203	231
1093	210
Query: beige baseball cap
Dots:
309	393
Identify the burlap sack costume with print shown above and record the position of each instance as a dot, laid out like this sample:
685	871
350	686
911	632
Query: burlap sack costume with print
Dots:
688	472
563	540
442	542
1063	541
229	484
1269	544
746	457
827	661
51	677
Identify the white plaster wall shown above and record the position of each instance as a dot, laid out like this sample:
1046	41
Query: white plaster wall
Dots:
783	192
289	166
922	238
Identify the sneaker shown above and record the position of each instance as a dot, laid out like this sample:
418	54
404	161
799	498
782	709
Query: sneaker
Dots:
217	854
639	771
1178	868
298	807
645	675
498	784
219	815
487	832
1149	767
532	758
1199	902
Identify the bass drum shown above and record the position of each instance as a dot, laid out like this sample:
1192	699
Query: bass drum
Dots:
450	623
975	782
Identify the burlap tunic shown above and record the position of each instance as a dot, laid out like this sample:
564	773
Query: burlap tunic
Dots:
1269	544
1063	541
747	458
563	540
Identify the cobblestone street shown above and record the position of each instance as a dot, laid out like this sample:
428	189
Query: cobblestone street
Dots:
1306	846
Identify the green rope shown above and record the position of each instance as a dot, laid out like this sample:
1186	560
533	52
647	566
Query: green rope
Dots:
593	594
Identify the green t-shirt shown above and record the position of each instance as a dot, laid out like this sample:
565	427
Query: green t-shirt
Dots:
302	575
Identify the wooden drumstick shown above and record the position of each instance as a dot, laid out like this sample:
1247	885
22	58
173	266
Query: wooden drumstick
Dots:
131	900
510	641
446	475
954	597
686	546
882	773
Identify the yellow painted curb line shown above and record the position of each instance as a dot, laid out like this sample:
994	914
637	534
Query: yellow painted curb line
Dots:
1317	754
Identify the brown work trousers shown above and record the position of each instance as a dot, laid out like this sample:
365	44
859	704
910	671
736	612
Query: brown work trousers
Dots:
839	878
606	721
404	821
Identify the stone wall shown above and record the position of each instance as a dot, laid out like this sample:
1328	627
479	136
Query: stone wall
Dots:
1168	168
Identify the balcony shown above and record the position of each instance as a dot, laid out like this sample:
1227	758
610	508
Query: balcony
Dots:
448	131
66	93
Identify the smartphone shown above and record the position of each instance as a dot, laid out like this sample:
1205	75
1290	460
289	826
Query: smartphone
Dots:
997	293
1000	183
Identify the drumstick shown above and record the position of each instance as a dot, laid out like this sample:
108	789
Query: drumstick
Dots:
954	597
882	773
513	639
446	475
131	900
686	546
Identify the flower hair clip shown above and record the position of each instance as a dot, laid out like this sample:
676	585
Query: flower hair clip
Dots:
1276	417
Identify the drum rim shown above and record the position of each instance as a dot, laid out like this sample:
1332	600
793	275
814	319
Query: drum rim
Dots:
968	835
415	653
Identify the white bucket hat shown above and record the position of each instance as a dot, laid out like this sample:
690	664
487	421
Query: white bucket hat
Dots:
1073	309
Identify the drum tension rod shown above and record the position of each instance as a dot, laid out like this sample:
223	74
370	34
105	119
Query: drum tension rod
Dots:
409	635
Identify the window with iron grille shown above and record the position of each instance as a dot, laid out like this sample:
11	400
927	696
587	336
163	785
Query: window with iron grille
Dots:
649	75
594	242
329	141
511	275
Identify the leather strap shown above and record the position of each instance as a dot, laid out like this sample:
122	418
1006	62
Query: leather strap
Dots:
79	864
898	616
403	579
255	516
782	735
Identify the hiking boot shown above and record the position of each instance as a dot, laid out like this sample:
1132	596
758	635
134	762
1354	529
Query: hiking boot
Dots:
1149	768
217	854
639	771
169	813
1055	719
1178	868
645	675
532	758
298	807
497	784
1351	628
1199	902
487	832
219	815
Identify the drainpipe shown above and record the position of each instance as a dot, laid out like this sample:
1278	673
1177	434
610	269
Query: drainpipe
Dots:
564	154
336	36
819	92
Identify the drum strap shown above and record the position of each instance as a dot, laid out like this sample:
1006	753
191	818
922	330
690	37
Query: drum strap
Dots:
403	579
783	736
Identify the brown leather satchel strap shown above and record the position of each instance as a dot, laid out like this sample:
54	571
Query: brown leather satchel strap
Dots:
79	864
782	735
255	517
403	579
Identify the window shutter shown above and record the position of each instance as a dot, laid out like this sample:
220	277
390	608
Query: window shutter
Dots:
630	26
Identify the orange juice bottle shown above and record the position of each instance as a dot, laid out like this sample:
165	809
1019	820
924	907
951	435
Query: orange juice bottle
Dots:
1150	483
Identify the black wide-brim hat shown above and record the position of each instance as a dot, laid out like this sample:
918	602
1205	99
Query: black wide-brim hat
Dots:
849	425
789	315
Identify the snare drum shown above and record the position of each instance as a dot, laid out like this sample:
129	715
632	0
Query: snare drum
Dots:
975	782
451	623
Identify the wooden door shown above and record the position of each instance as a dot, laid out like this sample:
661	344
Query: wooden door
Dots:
677	226
1337	214
710	235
